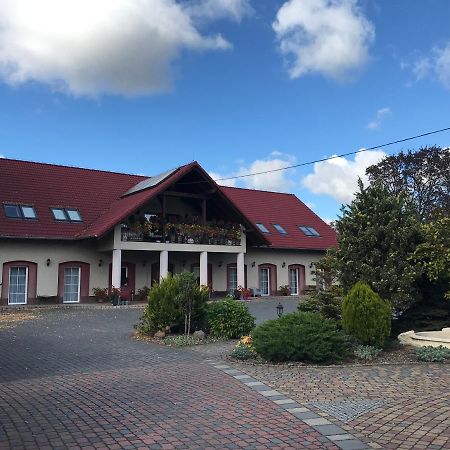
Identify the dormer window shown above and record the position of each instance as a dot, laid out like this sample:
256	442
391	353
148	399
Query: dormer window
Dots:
309	231
66	214
262	228
19	211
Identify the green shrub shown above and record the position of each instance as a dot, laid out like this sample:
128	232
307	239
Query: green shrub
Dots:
300	336
366	315
367	352
230	319
433	354
243	352
181	340
323	302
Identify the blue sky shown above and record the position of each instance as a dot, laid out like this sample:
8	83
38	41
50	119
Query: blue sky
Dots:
237	85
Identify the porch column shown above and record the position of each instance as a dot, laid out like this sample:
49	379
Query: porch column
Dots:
163	264
116	269
204	268
240	269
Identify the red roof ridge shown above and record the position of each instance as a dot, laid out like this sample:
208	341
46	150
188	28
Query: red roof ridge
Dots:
255	190
86	168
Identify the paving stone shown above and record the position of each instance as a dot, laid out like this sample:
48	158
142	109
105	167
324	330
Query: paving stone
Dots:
270	393
284	401
340	437
317	421
329	430
351	444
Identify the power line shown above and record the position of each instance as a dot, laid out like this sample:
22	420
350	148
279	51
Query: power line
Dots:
334	157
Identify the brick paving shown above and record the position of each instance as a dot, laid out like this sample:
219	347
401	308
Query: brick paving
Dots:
75	380
413	400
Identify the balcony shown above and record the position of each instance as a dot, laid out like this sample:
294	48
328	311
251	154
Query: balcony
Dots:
226	234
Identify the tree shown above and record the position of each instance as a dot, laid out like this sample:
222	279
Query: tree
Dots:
422	176
433	255
377	234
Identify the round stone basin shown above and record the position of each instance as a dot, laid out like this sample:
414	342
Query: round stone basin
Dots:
426	338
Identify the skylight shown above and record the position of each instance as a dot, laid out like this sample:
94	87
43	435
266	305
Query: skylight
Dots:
66	214
19	212
262	228
279	228
309	231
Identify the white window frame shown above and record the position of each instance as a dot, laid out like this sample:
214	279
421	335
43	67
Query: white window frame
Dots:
26	284
297	276
230	287
268	282
79	283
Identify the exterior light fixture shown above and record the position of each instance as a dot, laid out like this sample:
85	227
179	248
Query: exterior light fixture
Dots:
280	309
220	263
284	264
100	262
48	261
253	263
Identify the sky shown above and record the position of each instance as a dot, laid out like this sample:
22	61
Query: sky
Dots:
241	86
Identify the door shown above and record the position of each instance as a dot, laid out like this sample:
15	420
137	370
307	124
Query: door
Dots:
293	281
18	286
265	281
127	279
71	293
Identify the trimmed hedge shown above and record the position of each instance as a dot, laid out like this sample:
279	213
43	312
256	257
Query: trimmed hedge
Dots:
229	319
301	336
366	316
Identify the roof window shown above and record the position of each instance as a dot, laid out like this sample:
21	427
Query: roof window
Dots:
66	214
19	211
262	228
309	231
279	228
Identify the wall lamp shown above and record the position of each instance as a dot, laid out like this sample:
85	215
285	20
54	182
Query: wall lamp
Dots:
100	262
220	263
48	261
253	263
283	264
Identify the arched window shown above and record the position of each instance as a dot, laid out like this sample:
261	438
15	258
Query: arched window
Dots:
297	280
267	279
73	281
19	282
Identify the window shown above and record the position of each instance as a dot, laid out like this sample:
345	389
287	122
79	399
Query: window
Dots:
71	285
293	281
265	281
18	285
74	215
309	231
59	214
232	280
262	228
19	212
279	228
66	214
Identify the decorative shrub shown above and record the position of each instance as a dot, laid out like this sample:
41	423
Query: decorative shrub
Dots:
244	349
182	340
300	336
142	294
433	354
100	293
323	302
366	315
367	352
285	290
230	319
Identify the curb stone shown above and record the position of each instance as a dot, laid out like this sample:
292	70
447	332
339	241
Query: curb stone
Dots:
333	433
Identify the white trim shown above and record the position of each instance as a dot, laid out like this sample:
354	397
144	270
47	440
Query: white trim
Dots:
297	275
268	282
26	284
79	283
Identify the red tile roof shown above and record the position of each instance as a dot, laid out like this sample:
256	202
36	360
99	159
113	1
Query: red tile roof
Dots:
98	195
287	210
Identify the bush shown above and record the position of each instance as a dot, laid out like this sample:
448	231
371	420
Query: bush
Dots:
366	315
367	352
300	336
433	354
177	302
229	319
243	352
323	302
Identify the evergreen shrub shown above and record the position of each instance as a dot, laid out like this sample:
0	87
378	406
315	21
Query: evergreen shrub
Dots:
229	319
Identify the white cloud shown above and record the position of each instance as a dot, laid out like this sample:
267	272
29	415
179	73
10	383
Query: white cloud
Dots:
338	177
435	66
379	116
280	181
124	47
330	37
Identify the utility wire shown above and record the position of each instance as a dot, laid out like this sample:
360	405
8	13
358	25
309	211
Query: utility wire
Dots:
334	157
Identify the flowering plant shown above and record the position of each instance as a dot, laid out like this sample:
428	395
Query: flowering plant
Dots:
245	292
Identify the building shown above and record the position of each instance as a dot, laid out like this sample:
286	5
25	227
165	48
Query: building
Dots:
66	230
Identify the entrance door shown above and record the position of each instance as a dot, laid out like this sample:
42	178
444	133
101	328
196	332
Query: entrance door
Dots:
293	281
127	279
71	293
265	281
18	286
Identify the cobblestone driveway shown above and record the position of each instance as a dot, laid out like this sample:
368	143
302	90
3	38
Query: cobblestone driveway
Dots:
74	379
391	407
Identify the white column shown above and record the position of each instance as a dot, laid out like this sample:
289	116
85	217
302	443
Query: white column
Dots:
116	268
163	264
240	269
204	268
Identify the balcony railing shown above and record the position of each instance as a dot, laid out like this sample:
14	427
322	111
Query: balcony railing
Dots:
179	233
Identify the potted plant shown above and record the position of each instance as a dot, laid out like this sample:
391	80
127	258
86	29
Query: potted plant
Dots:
285	290
115	296
100	294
